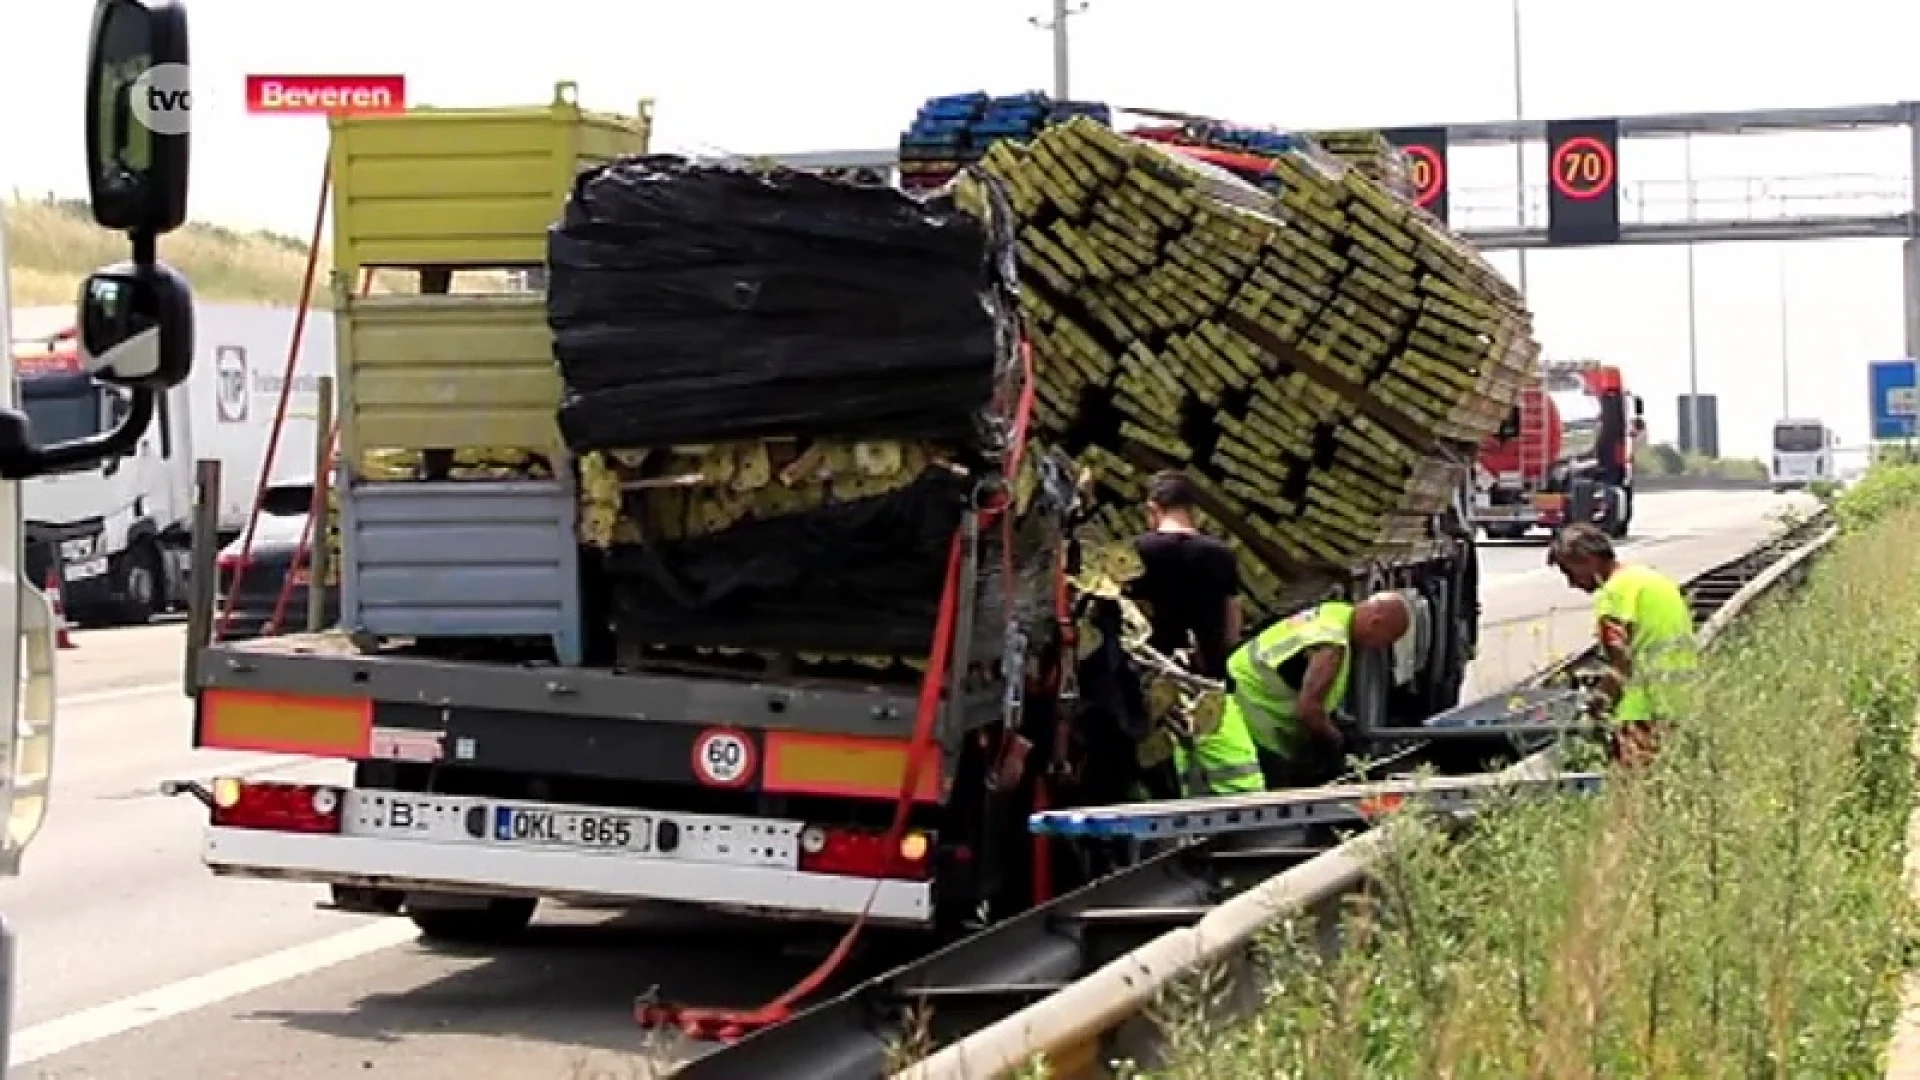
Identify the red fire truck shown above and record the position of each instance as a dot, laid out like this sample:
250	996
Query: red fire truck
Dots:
1564	454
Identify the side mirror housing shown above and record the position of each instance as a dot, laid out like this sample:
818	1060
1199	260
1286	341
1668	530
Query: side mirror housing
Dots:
136	326
139	103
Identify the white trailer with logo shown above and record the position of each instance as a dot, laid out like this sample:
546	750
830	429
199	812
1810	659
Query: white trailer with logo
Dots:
240	363
120	530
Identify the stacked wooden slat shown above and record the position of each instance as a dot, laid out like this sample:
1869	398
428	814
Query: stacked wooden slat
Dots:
1320	361
1373	155
637	496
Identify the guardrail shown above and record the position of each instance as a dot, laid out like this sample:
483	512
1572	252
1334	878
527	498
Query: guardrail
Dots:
1078	1028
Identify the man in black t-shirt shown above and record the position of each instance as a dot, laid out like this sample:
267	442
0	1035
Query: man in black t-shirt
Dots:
1191	586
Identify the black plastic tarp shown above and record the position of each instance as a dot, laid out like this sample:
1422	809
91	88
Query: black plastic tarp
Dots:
695	303
863	576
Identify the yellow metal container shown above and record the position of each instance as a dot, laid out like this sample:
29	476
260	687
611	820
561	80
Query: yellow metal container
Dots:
446	373
465	187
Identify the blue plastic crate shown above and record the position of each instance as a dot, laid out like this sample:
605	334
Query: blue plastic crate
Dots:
970	97
956	113
954	139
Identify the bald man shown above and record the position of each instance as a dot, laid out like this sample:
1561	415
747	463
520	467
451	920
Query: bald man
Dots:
1292	677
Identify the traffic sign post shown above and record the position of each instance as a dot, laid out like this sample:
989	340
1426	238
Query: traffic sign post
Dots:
1894	399
1583	182
1426	150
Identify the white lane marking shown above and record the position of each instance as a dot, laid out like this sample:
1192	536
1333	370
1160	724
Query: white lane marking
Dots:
87	1026
124	693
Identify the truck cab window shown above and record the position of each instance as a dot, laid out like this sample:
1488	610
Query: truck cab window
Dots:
1799	439
63	407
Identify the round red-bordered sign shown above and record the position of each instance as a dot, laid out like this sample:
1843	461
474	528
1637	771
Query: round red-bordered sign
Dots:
725	758
1571	175
1426	160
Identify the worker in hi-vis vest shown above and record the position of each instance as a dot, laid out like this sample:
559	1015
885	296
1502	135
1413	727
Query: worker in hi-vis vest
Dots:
1645	630
1289	681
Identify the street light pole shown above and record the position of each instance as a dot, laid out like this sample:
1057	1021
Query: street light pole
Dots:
1063	10
1698	444
1519	146
1786	384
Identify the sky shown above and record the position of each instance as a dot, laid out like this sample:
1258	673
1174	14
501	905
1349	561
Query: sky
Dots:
762	76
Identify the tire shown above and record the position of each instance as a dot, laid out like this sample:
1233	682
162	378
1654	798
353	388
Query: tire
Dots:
501	920
138	586
1615	524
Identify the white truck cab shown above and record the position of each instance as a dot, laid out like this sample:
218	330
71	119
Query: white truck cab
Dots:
114	534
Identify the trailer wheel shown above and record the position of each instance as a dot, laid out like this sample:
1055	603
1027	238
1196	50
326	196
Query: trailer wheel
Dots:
137	585
1619	512
501	919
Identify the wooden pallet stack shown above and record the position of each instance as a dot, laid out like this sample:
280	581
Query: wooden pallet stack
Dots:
1320	360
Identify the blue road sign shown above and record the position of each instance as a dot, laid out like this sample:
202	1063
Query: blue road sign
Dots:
1895	398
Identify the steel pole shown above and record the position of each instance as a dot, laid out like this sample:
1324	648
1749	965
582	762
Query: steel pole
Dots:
1786	382
203	587
1061	52
1519	145
1063	11
1693	320
1910	248
319	516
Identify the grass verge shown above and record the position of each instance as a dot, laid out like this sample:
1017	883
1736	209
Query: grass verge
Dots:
1739	910
53	244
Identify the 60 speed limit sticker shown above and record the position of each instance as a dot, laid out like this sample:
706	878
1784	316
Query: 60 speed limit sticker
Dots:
724	758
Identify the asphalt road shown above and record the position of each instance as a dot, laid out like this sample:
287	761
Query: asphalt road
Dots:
138	965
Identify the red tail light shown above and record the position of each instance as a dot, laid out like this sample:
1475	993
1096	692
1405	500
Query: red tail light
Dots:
303	808
228	563
865	853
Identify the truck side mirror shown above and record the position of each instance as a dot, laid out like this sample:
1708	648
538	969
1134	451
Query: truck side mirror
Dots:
138	105
136	318
136	326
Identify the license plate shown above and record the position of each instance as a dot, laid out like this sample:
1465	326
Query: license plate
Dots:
1548	502
500	823
82	571
1482	500
571	828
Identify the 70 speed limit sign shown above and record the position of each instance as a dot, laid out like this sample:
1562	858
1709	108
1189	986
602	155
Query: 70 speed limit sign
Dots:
724	758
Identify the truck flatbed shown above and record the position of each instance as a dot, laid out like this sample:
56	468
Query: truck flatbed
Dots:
320	694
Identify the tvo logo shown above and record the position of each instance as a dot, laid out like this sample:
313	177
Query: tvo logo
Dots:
161	99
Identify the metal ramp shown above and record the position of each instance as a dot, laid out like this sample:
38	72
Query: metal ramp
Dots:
1189	818
1530	713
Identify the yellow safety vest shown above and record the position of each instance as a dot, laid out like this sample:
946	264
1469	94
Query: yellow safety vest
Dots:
1268	705
1662	644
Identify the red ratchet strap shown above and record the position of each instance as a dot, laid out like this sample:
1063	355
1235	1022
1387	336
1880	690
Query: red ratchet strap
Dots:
322	487
280	410
1042	793
727	1025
